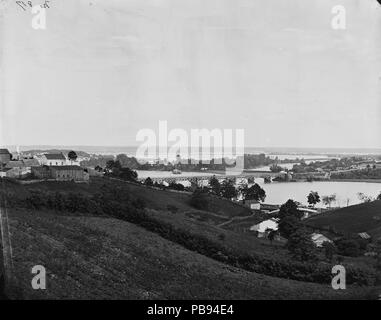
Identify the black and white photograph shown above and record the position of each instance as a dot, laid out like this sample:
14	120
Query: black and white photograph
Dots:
204	151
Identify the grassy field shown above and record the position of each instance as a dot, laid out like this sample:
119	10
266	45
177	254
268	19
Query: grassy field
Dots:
90	256
105	258
364	217
198	222
219	209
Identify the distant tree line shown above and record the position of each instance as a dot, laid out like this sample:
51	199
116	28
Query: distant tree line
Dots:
329	165
226	189
251	161
368	173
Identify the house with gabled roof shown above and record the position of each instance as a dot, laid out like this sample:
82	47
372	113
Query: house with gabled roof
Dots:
15	164
61	173
318	239
364	235
261	229
31	162
20	168
53	159
3	172
5	156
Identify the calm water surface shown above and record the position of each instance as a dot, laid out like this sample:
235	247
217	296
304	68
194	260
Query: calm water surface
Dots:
346	192
278	193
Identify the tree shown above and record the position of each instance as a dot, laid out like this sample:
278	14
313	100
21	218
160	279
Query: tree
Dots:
348	247
250	180
275	168
289	219
176	186
148	182
333	197
111	165
327	200
228	189
215	185
329	250
72	156
255	192
364	198
122	158
199	199
301	246
271	235
125	161
378	253
290	208
313	198
288	225
126	174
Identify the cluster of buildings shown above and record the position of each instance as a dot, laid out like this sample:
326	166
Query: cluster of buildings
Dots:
263	228
49	166
273	209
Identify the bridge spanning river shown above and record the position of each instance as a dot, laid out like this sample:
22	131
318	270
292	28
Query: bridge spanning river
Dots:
195	178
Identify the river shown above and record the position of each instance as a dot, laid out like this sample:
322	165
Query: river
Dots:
346	192
280	192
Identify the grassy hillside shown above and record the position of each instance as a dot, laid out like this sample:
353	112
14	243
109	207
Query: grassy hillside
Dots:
98	228
198	222
105	258
364	217
219	209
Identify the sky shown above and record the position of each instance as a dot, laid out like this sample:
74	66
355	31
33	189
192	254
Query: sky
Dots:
104	69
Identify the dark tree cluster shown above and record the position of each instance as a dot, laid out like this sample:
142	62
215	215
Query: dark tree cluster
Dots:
115	169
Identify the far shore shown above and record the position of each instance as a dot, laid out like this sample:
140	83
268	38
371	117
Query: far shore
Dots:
356	180
332	180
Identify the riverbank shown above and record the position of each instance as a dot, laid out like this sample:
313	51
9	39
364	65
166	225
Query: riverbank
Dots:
356	180
330	180
346	191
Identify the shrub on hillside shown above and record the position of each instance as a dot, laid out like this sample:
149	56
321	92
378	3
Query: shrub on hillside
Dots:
348	247
199	200
301	246
176	186
35	200
113	204
172	208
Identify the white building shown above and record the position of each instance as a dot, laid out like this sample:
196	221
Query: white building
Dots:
307	212
3	172
318	239
53	159
252	204
262	228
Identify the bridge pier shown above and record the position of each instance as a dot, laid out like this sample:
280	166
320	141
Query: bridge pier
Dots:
268	176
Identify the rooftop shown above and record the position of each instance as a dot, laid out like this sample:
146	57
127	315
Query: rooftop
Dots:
264	225
31	162
54	156
22	163
15	164
364	235
4	151
317	236
61	168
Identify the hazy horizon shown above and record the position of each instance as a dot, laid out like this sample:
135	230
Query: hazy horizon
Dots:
103	70
251	149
